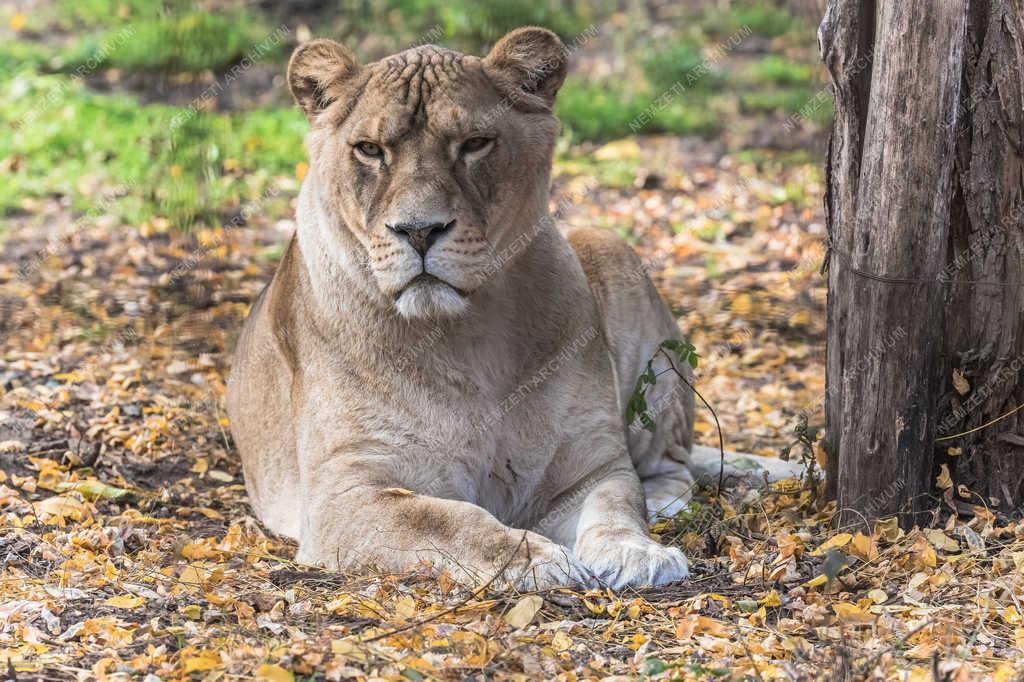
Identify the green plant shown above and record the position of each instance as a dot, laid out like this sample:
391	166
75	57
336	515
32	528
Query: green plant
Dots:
781	71
601	113
760	18
636	408
110	154
680	66
785	101
190	41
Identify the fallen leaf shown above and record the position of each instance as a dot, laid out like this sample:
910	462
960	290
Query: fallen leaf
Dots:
834	542
273	673
960	382
59	508
201	660
524	611
93	489
125	601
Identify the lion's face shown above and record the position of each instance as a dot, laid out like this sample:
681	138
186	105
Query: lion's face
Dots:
436	162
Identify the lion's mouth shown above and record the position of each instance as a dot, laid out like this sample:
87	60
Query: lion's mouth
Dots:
427	279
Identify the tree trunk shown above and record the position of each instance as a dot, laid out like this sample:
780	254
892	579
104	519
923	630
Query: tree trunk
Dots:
925	209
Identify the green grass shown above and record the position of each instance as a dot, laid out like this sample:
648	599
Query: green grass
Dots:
681	64
781	71
764	19
189	42
606	112
776	101
110	154
482	23
17	56
468	25
105	14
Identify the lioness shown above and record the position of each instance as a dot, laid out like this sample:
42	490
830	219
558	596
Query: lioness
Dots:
434	371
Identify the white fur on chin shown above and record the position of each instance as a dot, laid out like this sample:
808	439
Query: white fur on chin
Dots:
430	300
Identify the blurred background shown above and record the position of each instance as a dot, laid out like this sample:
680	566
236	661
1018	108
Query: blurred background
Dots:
137	135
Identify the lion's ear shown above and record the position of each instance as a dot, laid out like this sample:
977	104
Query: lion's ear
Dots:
314	72
529	61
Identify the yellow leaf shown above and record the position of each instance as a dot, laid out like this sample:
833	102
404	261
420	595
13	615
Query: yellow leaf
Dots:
625	149
405	607
124	601
695	624
1011	615
834	542
816	581
201	549
60	507
943	480
522	614
93	489
925	553
201	660
772	599
561	641
954	452
852	613
960	382
801	318
888	529
864	547
742	305
192	611
18	21
273	673
878	596
301	169
1004	673
343	647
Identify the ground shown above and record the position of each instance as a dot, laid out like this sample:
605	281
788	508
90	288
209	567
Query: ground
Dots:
130	256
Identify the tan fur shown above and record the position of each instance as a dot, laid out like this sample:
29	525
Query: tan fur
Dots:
473	418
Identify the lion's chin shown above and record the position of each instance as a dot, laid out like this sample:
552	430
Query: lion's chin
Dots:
431	299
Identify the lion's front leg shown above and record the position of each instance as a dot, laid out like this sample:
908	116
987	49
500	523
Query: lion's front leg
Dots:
612	539
391	528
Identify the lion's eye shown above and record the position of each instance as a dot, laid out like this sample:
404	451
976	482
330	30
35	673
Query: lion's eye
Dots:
475	144
370	149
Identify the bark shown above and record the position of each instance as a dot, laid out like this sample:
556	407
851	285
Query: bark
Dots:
924	208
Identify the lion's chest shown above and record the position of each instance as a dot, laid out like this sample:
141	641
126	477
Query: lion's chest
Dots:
516	448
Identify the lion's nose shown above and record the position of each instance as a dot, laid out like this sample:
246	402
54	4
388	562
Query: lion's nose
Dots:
420	233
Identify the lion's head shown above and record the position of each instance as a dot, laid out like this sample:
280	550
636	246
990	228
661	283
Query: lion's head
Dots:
435	162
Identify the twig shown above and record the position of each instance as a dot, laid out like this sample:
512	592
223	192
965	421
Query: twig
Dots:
983	426
718	425
452	609
900	642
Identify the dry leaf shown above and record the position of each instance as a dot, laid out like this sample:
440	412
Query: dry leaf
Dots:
960	382
273	673
125	601
524	611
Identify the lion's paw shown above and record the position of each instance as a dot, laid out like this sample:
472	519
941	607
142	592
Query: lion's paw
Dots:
627	559
543	564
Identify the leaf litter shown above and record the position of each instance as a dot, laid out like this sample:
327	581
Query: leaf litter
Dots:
129	550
